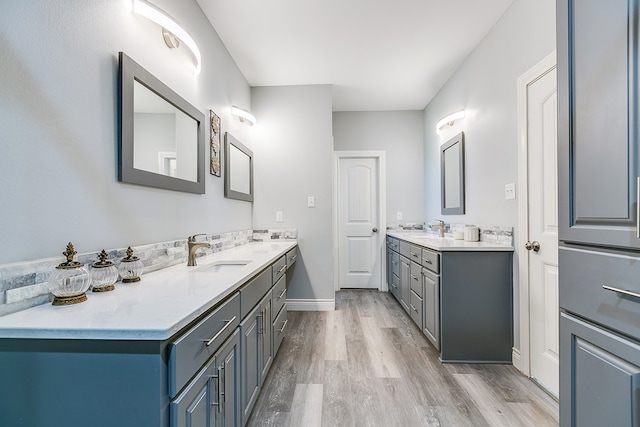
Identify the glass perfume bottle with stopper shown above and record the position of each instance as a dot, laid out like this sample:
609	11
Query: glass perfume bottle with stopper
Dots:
104	274
70	280
130	267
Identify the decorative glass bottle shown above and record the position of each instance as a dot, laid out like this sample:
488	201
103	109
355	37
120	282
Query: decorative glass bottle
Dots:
70	280
130	267
104	274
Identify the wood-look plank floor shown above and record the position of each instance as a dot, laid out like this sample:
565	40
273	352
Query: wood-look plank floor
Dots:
367	364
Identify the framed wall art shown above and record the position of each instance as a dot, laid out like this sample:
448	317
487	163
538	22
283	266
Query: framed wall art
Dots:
215	144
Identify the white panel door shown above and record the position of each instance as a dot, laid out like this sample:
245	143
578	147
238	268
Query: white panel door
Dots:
359	244
543	230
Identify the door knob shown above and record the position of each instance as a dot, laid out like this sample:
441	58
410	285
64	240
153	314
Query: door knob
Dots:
532	245
375	230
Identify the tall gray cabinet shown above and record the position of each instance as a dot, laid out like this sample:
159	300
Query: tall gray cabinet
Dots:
598	174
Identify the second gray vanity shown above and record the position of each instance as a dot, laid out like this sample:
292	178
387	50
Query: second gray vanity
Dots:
458	293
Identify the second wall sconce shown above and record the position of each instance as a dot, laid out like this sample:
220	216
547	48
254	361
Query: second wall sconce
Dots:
171	29
245	116
449	120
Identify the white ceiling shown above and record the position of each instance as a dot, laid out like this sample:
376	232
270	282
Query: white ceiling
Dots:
378	54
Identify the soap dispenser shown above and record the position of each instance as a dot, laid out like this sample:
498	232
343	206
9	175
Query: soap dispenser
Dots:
70	280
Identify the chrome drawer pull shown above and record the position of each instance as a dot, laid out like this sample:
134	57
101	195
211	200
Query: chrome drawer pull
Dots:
621	291
414	254
293	258
282	294
217	377
428	261
282	269
414	277
228	322
284	325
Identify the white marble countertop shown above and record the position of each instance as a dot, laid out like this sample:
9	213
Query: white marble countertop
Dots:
446	244
155	308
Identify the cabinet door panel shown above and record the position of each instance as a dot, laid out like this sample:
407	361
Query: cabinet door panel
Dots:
431	308
250	362
226	392
192	407
597	55
266	332
603	385
405	282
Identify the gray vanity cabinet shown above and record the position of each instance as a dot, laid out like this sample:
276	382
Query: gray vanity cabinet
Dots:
598	152
227	394
602	388
251	368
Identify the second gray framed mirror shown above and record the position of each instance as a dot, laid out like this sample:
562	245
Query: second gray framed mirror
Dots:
452	175
238	169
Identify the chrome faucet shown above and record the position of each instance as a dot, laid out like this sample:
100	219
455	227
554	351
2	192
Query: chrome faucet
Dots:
439	226
193	247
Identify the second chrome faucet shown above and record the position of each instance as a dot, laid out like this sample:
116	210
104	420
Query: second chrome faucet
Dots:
193	246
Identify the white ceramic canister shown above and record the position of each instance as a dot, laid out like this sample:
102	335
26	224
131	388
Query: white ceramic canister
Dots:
458	235
471	234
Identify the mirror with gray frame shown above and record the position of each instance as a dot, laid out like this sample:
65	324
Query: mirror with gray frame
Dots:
452	175
161	139
238	169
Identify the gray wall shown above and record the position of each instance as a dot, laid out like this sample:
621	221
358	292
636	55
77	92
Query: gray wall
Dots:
401	135
485	85
58	119
292	149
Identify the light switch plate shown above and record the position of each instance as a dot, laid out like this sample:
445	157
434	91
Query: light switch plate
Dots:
311	202
510	191
278	216
398	215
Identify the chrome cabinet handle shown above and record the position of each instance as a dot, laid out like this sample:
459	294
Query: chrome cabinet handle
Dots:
414	254
282	294
414	277
428	261
228	322
282	269
621	291
413	308
284	325
637	208
293	258
220	392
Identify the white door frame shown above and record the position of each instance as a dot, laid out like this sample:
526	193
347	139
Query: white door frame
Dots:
381	157
522	357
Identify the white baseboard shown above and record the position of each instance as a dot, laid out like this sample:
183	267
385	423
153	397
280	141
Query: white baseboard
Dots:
311	304
516	359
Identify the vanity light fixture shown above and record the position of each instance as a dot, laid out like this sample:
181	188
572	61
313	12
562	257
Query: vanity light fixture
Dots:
245	116
449	120
171	29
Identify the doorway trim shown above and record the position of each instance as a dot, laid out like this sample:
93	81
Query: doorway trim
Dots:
522	357
381	157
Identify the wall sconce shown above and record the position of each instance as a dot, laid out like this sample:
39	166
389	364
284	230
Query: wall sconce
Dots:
170	29
245	116
449	120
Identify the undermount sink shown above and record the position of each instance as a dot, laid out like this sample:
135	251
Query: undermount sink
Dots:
220	266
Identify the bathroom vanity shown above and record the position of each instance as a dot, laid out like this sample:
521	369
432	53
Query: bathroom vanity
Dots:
184	346
458	293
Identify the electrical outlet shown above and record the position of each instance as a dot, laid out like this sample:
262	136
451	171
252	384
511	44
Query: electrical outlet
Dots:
510	191
398	215
278	216
311	202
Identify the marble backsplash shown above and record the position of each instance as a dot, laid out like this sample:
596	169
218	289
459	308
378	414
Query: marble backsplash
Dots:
24	285
488	233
